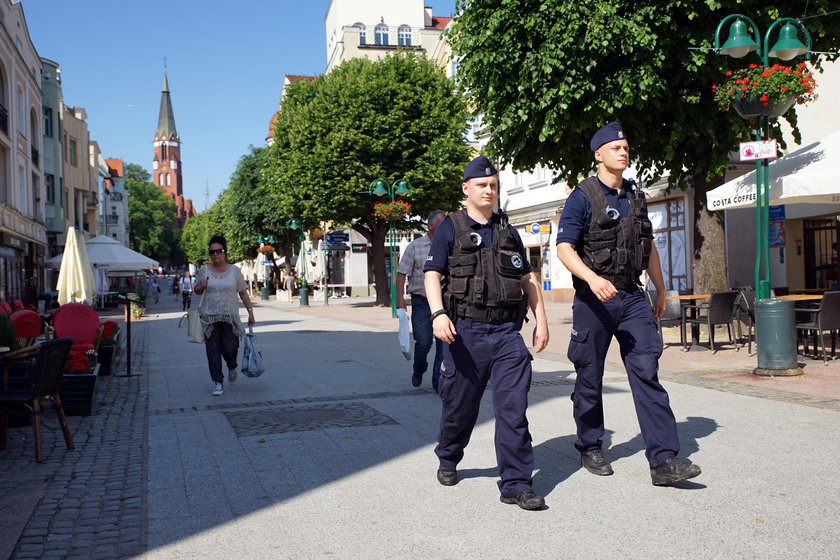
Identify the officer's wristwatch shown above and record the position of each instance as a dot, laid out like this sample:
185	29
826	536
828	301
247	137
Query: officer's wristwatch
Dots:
438	312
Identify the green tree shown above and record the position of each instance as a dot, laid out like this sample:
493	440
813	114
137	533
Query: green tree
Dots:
151	217
548	73
197	232
393	118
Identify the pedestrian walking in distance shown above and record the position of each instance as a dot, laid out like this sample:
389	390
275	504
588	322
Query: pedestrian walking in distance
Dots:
187	286
411	267
478	315
219	312
605	240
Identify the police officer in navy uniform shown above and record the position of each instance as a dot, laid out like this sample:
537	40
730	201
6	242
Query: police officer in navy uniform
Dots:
605	240
478	315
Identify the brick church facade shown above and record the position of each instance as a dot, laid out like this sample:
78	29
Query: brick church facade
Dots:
166	166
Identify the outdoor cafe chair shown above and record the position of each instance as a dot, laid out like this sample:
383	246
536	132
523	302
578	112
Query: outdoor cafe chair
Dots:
48	360
824	318
79	322
672	316
28	327
745	315
720	309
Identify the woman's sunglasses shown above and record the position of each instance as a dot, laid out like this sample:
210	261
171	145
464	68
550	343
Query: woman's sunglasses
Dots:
217	251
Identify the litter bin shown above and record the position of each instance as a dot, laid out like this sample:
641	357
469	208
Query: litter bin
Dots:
775	331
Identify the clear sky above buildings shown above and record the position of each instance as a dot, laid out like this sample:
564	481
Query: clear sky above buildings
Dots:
225	62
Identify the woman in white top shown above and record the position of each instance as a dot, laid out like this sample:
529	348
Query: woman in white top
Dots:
220	312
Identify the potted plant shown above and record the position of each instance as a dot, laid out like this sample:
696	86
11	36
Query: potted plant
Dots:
107	346
396	210
769	91
79	384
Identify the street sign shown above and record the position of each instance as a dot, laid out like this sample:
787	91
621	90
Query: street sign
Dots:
265	263
331	247
337	237
760	149
535	227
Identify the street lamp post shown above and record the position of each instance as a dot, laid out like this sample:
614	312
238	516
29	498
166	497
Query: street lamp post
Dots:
787	47
263	241
304	289
400	187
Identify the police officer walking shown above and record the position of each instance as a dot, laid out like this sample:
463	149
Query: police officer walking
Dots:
605	240
411	266
478	315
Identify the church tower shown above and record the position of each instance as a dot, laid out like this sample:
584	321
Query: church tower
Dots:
166	166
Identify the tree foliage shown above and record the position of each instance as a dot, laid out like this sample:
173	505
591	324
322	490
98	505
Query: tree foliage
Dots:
151	217
393	118
548	73
197	232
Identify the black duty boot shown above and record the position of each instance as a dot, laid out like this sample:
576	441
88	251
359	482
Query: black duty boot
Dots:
448	476
527	499
673	470
595	462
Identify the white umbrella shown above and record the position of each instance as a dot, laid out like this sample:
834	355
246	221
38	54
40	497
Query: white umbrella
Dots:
112	256
75	278
808	175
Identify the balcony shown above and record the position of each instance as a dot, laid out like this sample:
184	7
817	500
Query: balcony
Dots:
112	219
4	119
116	196
92	199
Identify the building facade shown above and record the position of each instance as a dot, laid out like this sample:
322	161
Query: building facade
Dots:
166	163
115	203
23	237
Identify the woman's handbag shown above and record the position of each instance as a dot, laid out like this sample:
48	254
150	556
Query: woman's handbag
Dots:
195	326
252	362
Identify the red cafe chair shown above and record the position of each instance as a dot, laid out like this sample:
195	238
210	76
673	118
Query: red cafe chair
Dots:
79	322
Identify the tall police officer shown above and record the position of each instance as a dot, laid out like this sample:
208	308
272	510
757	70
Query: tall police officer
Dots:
605	240
489	287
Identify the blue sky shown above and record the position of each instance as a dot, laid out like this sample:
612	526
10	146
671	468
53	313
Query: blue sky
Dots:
225	61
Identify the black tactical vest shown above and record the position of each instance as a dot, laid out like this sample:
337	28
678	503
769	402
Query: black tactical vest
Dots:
484	283
617	249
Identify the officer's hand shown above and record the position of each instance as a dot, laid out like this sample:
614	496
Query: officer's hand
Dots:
602	288
659	306
444	329
401	302
540	338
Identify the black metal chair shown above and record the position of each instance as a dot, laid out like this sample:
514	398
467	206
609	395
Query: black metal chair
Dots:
719	310
745	315
48	362
824	318
672	316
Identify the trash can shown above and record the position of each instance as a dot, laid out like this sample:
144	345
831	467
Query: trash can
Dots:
775	331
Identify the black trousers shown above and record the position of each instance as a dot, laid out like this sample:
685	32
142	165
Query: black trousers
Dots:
221	344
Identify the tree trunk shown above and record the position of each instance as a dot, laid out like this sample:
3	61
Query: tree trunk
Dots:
709	256
376	235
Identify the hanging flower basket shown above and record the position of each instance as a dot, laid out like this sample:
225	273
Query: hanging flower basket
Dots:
266	249
396	210
759	91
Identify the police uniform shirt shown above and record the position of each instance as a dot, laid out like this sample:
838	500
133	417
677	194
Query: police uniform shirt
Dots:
577	212
444	242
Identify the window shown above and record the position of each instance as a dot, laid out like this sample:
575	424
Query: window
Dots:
21	112
72	151
49	182
167	179
154	165
381	34
404	36
48	122
160	179
362	33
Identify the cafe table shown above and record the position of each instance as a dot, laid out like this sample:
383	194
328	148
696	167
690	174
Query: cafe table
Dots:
695	327
802	297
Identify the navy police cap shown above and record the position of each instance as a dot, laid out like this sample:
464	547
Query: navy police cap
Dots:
610	132
479	167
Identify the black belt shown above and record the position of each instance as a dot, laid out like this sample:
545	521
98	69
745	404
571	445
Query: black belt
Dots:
417	295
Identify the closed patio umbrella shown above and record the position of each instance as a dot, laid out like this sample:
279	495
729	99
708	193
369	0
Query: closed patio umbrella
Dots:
75	277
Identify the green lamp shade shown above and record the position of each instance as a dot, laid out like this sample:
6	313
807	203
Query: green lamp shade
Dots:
271	239
293	224
403	188
788	46
739	44
378	187
260	239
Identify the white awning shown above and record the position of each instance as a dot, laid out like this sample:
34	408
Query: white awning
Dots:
808	175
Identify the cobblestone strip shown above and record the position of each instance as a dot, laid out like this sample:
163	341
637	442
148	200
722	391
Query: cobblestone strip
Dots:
94	506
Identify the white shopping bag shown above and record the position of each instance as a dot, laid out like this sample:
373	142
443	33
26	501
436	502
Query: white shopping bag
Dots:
405	335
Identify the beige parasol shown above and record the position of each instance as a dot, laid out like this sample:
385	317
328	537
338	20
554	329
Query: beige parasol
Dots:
75	278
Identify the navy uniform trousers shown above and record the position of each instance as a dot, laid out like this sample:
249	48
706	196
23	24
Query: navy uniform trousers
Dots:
483	352
628	317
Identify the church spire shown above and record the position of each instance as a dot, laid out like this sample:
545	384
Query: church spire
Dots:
166	120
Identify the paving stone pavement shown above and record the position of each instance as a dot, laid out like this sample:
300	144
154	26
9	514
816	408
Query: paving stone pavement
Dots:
329	455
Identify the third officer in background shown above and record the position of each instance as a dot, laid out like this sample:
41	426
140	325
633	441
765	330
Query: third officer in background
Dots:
411	266
605	240
489	287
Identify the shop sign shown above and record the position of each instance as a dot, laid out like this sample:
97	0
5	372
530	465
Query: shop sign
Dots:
14	242
358	247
